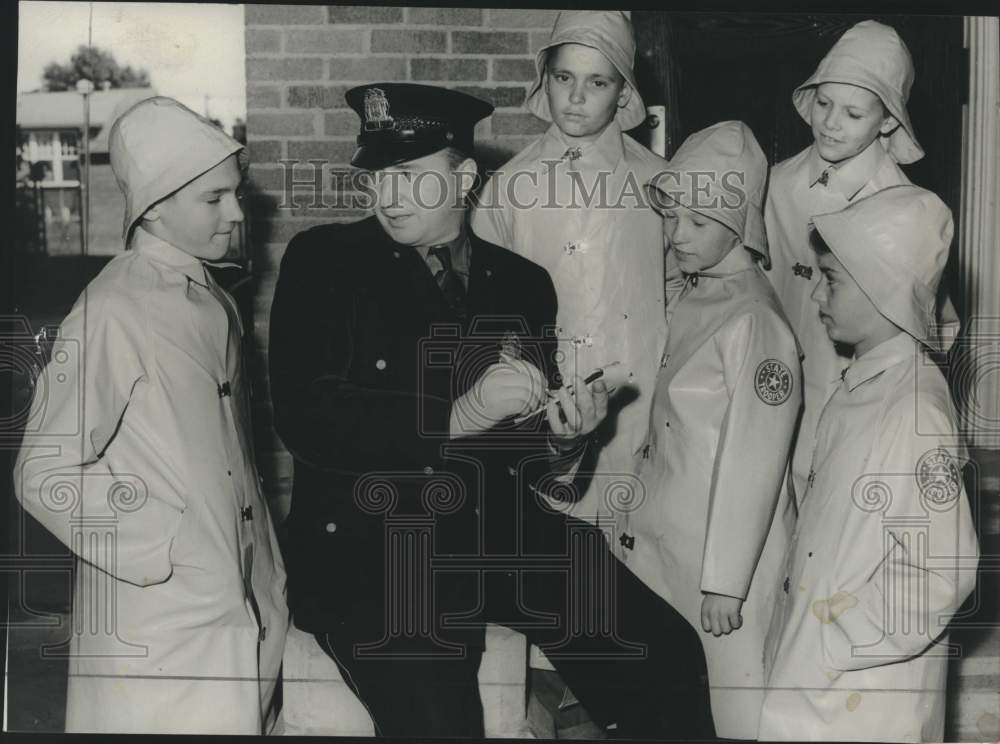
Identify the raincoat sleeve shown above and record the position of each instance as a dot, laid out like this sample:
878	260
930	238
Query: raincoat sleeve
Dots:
491	216
322	415
63	471
760	365
924	567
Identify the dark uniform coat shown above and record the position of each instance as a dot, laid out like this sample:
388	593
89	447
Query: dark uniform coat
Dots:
366	360
403	543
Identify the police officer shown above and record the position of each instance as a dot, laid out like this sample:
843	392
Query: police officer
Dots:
407	357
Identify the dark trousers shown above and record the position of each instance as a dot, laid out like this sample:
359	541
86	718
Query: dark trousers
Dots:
647	675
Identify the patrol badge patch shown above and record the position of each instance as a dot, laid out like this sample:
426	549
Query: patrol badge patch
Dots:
773	382
938	477
377	111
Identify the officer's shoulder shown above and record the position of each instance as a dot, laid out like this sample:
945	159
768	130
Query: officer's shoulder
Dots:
335	243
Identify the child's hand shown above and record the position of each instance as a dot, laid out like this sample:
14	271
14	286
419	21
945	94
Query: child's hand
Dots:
720	615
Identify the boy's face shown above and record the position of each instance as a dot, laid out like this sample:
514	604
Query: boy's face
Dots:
584	90
420	201
849	316
845	119
199	218
698	242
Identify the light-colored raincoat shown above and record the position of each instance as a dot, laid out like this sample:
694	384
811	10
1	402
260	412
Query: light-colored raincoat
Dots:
585	219
872	56
884	551
708	516
140	459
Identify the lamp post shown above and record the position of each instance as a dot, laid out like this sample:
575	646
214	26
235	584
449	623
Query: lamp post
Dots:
85	87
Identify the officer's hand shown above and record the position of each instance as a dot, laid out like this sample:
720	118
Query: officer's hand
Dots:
720	615
505	389
575	415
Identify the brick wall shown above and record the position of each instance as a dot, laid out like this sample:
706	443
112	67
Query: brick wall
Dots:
301	59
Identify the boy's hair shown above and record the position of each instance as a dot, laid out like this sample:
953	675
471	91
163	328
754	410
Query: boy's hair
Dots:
455	157
817	243
548	60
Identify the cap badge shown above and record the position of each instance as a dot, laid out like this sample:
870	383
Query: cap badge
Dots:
377	111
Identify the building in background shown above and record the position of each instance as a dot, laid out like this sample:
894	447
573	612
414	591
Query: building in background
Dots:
50	129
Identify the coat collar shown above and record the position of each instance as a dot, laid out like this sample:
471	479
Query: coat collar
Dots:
606	152
847	178
899	348
737	261
164	254
481	263
457	248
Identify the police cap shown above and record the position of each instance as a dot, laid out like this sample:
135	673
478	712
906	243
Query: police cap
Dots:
405	121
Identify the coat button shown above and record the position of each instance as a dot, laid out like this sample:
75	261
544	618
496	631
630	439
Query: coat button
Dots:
263	634
331	527
380	364
428	470
785	585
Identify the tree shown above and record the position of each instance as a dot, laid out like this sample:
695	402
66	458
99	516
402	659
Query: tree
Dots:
98	66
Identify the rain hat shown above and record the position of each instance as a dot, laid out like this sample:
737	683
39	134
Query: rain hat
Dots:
870	55
610	33
719	172
894	244
405	121
156	147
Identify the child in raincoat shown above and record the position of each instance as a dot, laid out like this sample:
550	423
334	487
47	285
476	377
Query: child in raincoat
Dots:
708	532
572	201
855	103
884	551
142	461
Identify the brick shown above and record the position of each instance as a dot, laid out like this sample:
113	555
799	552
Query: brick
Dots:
434	68
294	124
263	96
363	15
445	16
538	40
367	69
514	69
331	151
489	42
341	123
518	124
521	18
264	151
317	96
325	40
283	15
292	68
499	97
263	40
409	42
266	177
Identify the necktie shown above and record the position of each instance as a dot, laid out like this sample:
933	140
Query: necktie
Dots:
449	281
824	177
